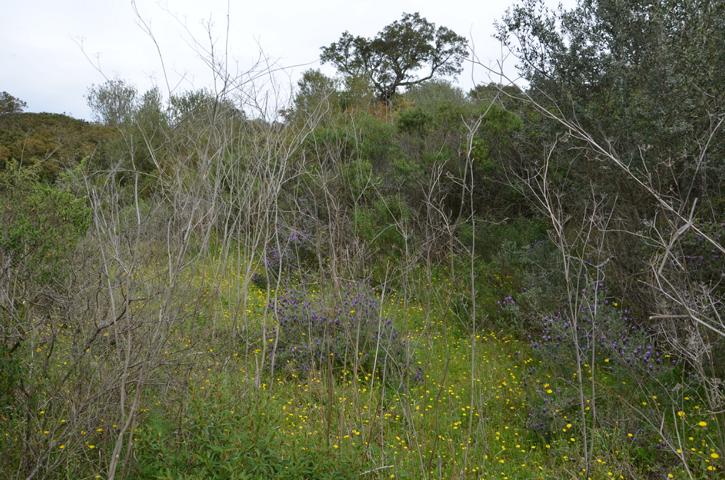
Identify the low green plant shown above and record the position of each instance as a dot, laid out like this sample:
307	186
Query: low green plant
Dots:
233	435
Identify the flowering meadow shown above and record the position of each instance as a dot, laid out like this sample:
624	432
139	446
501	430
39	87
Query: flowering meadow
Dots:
461	405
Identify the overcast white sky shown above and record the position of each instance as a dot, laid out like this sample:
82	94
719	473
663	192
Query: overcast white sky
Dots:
42	62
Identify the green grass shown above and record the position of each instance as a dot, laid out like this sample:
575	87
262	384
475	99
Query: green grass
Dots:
452	424
220	416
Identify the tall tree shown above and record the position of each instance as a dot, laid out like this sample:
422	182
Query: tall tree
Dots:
407	52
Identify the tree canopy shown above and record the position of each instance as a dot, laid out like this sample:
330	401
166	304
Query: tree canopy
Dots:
396	56
112	102
10	104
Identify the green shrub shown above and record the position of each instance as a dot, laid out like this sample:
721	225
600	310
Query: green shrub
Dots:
360	180
380	225
414	121
41	223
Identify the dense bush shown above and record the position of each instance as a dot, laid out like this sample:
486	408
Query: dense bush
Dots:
492	218
603	326
41	223
346	334
384	225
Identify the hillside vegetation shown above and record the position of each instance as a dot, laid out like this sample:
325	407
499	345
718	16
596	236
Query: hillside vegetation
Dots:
386	277
49	142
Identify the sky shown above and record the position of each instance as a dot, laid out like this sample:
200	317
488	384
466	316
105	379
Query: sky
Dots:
52	51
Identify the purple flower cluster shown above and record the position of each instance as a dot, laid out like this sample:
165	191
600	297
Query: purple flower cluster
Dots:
610	331
507	301
344	332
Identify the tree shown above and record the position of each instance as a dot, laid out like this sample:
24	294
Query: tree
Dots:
394	57
200	104
644	79
112	102
314	88
638	73
10	104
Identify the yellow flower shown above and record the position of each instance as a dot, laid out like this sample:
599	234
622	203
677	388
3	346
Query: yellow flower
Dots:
680	413
714	455
91	446
61	446
702	423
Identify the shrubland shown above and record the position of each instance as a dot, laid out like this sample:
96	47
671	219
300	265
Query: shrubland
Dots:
511	282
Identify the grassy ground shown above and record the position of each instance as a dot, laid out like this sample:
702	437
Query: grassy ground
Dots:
231	423
473	410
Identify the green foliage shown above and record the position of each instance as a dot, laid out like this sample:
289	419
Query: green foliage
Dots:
283	381
11	374
360	180
382	225
50	142
357	95
442	104
315	93
392	58
643	79
353	137
407	174
494	144
41	223
434	95
492	238
112	102
235	438
376	140
10	104
194	107
414	121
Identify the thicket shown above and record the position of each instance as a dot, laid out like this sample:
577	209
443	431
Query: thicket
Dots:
581	215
